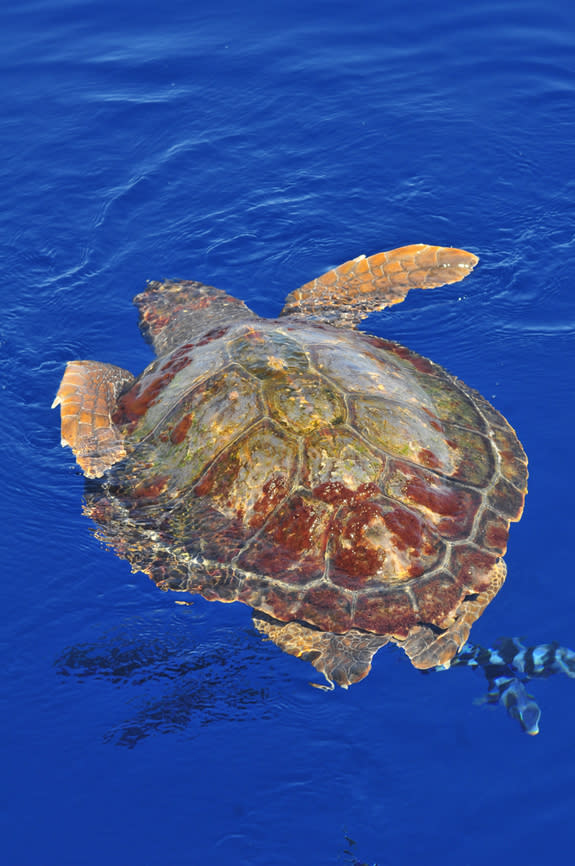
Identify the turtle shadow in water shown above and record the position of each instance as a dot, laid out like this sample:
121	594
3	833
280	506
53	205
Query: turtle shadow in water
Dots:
229	678
186	686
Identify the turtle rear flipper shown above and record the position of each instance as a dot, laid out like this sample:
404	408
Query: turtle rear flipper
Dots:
347	294
87	398
426	648
342	658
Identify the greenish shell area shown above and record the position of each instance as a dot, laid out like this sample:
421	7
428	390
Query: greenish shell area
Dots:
314	473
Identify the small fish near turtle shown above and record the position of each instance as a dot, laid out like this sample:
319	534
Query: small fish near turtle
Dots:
350	491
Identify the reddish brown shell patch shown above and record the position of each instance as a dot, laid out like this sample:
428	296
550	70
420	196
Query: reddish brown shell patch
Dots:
450	507
379	543
134	404
390	612
294	545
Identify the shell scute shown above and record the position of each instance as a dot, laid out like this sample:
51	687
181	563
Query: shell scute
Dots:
277	600
265	352
165	383
358	371
328	606
450	507
451	402
437	597
492	532
294	545
472	454
337	455
379	542
472	565
402	431
404	357
505	498
136	403
390	612
204	422
249	478
513	463
304	403
446	398
215	584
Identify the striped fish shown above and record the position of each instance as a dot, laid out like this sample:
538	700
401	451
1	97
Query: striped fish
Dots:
509	666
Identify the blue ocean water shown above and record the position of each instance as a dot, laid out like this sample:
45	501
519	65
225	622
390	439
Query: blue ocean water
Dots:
254	146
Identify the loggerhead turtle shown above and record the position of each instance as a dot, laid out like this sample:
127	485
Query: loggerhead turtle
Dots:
349	490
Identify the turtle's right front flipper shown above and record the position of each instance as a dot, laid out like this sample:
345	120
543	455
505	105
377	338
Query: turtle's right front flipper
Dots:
87	398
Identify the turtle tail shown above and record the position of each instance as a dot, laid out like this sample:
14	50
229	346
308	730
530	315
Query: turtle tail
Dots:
509	666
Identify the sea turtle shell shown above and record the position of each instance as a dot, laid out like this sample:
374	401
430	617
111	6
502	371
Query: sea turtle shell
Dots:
349	490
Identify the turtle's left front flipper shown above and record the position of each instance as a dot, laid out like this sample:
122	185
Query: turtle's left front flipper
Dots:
87	397
347	294
509	666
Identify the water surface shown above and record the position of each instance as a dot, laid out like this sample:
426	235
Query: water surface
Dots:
253	148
